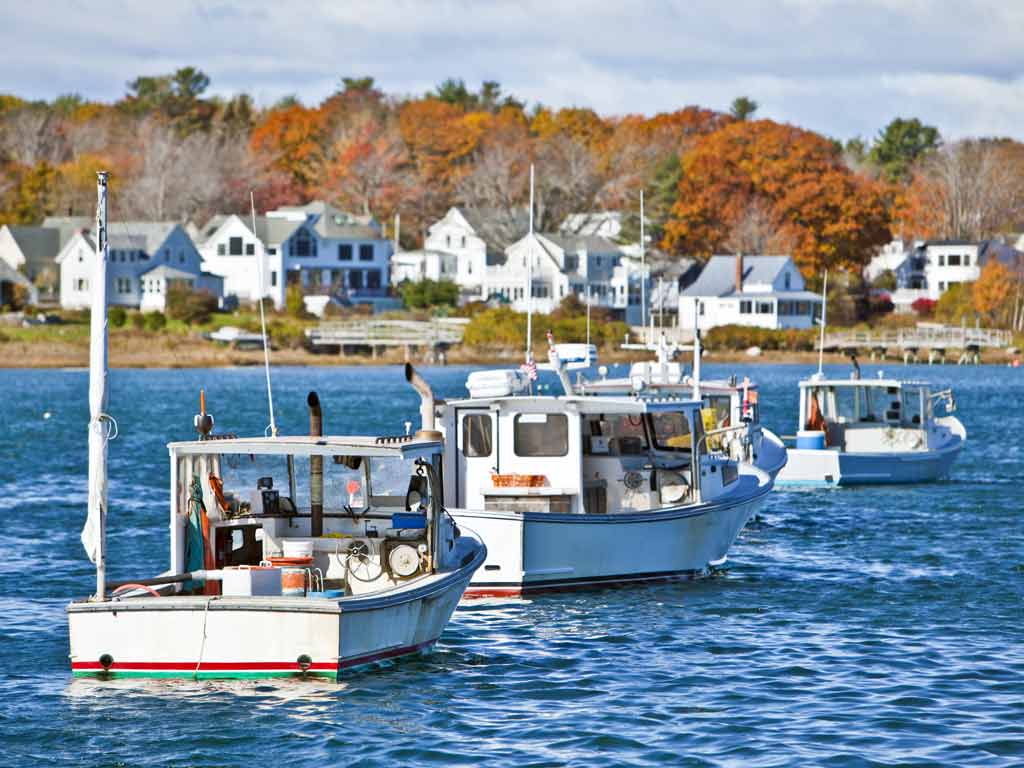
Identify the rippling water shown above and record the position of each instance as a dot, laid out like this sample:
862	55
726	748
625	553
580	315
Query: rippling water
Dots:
851	627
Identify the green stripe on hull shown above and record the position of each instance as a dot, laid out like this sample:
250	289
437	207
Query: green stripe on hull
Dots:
202	675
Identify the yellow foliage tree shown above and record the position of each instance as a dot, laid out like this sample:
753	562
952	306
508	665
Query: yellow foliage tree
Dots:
992	291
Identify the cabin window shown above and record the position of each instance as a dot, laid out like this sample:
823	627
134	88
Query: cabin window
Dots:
671	431
541	434
250	249
476	435
722	406
618	436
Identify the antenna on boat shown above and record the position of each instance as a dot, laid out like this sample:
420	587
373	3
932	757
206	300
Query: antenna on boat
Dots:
696	349
643	267
101	426
263	320
529	279
588	314
824	313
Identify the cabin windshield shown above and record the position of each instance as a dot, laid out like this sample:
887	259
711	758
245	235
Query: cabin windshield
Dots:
671	431
722	406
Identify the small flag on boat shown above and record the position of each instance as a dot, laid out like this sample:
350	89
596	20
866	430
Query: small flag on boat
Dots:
529	368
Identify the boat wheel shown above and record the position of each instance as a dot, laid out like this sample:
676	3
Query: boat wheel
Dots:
360	563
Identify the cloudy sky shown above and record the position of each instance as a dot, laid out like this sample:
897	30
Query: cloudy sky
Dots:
842	68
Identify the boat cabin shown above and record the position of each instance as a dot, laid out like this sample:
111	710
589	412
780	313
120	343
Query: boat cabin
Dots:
581	454
359	514
860	415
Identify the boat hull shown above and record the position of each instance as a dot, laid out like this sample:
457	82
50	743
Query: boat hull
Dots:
834	468
543	552
200	637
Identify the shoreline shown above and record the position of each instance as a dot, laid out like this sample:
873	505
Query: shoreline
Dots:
167	352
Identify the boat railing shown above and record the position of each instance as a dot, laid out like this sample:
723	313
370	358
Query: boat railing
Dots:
946	398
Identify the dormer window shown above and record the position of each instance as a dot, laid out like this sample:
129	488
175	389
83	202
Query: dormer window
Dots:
787	281
303	244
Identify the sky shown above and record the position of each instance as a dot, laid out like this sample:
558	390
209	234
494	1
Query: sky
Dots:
841	68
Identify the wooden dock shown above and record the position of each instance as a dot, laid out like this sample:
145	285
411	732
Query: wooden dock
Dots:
937	340
350	335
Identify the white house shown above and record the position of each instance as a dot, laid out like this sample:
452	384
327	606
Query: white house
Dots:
414	266
316	246
146	259
762	291
562	265
454	234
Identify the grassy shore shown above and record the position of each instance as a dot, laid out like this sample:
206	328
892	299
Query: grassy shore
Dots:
179	346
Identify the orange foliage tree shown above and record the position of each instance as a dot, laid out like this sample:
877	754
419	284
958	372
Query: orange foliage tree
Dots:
291	140
832	216
991	293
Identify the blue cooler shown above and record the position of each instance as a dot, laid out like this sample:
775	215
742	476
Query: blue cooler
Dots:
810	439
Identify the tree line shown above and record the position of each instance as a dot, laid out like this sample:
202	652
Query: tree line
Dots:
715	181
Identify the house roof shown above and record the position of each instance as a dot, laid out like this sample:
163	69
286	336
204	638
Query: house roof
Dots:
146	236
334	223
67	227
718	278
39	245
1008	255
167	271
9	274
574	243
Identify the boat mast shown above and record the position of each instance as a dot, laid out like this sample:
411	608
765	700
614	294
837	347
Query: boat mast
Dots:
643	268
263	320
95	531
529	280
696	349
824	313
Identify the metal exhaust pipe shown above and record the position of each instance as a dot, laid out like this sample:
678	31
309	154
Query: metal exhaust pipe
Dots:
316	469
427	429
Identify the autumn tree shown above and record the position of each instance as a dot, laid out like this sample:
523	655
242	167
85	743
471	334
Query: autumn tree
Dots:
992	291
832	217
291	140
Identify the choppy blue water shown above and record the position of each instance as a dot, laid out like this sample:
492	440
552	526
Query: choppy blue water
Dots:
853	627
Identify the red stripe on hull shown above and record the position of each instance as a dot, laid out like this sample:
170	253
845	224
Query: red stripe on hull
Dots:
208	666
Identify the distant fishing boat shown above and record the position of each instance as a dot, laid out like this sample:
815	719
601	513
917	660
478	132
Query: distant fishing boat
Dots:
289	556
864	431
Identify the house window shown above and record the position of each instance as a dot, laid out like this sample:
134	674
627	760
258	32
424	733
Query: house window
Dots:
345	252
700	307
373	278
355	279
272	251
447	241
942	285
235	246
181	257
954	260
273	279
786	281
967	259
572	262
764	308
463	241
745	308
303	245
540	434
81	284
942	260
366	252
250	249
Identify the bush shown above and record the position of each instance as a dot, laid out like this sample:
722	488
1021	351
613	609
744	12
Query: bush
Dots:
740	337
295	302
154	321
192	307
117	316
503	327
923	307
138	321
428	293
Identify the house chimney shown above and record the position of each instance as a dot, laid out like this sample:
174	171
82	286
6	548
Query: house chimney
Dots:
739	272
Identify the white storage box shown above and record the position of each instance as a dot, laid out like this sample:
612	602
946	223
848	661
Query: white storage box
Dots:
496	383
248	581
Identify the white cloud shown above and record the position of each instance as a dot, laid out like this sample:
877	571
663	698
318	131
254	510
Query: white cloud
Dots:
841	67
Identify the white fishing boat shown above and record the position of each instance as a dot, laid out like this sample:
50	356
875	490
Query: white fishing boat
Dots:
863	431
577	490
858	431
729	402
289	556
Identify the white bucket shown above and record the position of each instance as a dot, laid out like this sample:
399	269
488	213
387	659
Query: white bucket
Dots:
297	548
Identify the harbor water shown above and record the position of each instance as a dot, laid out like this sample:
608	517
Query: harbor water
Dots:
864	626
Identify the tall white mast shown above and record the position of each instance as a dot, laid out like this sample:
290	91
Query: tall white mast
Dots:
95	531
643	267
529	278
263	319
824	313
696	349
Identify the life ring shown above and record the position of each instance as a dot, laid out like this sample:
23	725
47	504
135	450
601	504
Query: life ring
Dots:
217	486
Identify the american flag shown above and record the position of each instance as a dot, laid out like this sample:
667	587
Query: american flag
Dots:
529	368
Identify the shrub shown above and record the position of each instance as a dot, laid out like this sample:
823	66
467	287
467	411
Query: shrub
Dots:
428	293
740	337
117	316
503	327
295	303
154	321
138	320
192	307
923	307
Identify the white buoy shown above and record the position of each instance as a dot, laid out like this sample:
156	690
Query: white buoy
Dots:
46	415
